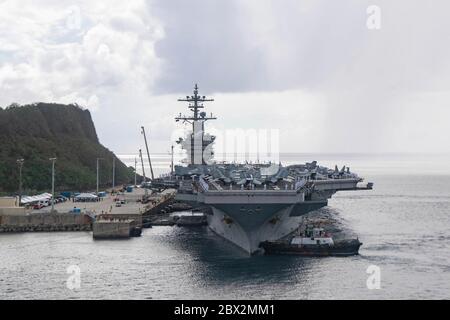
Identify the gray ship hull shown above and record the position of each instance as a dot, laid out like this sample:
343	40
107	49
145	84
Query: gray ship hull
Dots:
247	218
247	230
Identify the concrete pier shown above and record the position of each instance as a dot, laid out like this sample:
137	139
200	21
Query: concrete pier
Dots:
113	229
131	207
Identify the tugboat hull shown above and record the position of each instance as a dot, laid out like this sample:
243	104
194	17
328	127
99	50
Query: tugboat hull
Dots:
339	249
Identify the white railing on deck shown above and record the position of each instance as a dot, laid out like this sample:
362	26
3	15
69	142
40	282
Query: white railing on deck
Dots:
300	184
203	183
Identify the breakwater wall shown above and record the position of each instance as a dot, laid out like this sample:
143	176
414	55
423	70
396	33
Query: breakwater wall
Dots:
45	222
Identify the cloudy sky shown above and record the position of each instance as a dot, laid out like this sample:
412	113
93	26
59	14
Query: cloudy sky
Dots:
311	69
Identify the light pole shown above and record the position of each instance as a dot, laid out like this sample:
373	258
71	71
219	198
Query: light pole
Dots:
20	162
135	172
114	173
143	172
98	160
53	160
171	164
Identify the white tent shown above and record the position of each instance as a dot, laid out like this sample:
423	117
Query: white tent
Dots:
40	197
86	196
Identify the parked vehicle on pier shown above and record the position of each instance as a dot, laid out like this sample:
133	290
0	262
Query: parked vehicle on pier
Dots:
37	206
44	203
60	199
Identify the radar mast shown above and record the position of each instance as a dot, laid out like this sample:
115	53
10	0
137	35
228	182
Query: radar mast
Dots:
197	142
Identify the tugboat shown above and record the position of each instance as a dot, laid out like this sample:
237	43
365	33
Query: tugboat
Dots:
314	242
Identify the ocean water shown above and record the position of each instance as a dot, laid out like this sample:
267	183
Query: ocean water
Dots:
404	224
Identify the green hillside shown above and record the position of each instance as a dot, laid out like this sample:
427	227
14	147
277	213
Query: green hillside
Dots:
40	131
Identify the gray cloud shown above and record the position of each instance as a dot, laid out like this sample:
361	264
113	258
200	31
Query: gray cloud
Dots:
279	45
310	68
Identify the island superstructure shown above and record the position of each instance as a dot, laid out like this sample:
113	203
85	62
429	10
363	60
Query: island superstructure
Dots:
249	203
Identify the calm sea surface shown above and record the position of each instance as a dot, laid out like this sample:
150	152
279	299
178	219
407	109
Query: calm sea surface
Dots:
404	224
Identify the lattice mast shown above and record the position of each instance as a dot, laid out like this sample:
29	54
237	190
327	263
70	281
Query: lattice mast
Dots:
197	141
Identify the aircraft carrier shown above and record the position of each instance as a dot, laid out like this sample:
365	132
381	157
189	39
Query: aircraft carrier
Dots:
249	203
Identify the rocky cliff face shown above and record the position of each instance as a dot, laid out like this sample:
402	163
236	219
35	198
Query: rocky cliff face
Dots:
40	131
